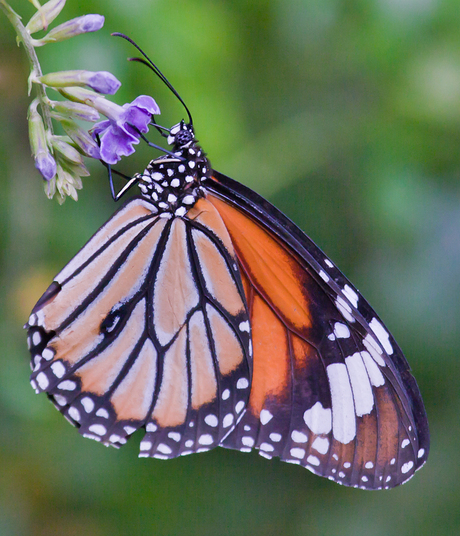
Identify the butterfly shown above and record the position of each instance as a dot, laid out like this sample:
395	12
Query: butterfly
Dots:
202	314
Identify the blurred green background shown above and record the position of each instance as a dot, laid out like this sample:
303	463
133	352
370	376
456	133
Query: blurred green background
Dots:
346	115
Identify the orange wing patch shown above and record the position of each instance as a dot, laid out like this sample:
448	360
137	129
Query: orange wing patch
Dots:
274	271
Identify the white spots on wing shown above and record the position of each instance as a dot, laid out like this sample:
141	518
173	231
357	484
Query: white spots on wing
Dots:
42	380
341	331
175	436
98	429
129	429
276	438
342	474
382	335
364	478
299	437
242	383
151	427
188	200
265	455
324	276
67	385
328	263
362	390
36	338
175	183
404	443
32	319
87	404
247	441
407	467
266	447
351	295
246	428
75	414
227	420
145	445
205	439
336	458
321	444
421	452
388	478
331	337
347	465
369	465
244	326
313	460
374	349
181	211
48	354
375	376
393	461
297	453
239	406
344	309
115	438
211	420
343	412
172	198
189	443
226	394
318	419
62	401
265	416
164	449
102	412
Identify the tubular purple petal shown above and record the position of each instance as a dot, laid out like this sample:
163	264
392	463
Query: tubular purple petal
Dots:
46	165
145	102
103	82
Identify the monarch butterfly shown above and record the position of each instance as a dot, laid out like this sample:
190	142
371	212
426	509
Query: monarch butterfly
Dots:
204	315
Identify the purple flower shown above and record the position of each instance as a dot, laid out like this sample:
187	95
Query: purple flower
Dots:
121	130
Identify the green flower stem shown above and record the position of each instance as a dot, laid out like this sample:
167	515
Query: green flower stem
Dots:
25	38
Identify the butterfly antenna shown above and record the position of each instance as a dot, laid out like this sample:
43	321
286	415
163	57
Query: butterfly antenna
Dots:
155	69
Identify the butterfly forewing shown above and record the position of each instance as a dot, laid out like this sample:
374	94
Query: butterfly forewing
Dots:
148	326
331	389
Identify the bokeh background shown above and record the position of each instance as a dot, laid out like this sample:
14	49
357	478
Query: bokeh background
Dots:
346	115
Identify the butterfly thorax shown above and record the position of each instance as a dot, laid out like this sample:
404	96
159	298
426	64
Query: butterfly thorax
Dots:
173	183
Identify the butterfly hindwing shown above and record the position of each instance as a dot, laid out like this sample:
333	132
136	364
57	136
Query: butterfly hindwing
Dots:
147	327
331	389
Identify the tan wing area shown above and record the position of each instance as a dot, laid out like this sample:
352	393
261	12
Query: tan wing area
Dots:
148	326
318	397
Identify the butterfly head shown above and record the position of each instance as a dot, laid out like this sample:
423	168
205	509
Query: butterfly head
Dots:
181	135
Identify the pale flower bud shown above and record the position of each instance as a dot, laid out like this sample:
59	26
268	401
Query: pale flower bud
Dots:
45	16
100	81
44	161
71	28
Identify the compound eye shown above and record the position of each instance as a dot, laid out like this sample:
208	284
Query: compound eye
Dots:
183	137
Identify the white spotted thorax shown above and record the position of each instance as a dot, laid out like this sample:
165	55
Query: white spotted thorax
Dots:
174	184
